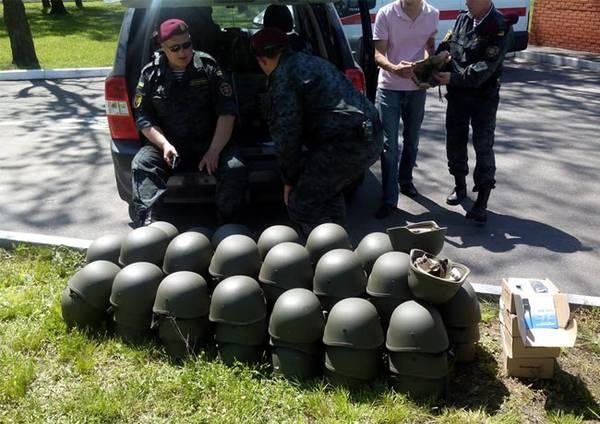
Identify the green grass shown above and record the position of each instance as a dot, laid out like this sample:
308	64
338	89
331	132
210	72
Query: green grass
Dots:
83	38
49	374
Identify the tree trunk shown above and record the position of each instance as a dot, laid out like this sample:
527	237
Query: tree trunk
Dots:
46	5
79	4
21	41
58	8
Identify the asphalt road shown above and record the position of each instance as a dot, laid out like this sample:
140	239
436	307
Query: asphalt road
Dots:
56	176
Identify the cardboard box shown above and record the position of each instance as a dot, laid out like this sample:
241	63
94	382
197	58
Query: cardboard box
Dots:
509	320
542	313
528	367
513	347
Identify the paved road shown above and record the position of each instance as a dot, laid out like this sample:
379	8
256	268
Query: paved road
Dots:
57	176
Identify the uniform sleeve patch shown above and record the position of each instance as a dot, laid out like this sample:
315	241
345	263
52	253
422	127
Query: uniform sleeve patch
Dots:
141	84
137	101
225	89
492	51
447	36
480	67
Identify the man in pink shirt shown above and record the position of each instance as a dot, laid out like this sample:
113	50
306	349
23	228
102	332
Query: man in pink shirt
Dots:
404	33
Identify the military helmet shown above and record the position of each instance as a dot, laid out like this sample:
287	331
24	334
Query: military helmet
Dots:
230	353
426	285
324	238
208	232
188	251
297	317
183	294
76	312
274	235
287	265
464	352
295	364
427	236
461	335
238	300
371	247
361	364
419	387
339	274
419	364
462	310
415	327
254	334
144	244
236	255
227	230
134	289
353	323
167	227
93	283
105	248
389	276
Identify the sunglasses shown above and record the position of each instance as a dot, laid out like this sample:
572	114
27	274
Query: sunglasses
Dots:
176	47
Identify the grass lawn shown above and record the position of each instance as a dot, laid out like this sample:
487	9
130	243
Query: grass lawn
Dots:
50	375
83	38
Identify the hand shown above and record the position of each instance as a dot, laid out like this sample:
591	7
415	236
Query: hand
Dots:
210	160
169	152
404	69
287	189
442	77
444	54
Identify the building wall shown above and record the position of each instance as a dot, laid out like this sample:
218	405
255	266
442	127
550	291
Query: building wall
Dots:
568	24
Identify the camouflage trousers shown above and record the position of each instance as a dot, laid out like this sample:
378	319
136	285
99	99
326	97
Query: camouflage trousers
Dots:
480	112
150	173
329	170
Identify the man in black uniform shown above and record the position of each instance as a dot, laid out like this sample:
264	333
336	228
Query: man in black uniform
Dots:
476	45
326	133
185	108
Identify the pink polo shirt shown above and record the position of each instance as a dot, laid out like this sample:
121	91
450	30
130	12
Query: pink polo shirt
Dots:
406	39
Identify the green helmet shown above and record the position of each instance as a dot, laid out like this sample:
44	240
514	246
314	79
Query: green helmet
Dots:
324	238
353	323
464	352
315	348
287	266
188	251
183	295
133	293
463	309
93	283
427	236
297	317
295	364
236	255
144	244
418	364
167	227
460	335
254	334
105	248
371	247
415	327
419	387
427	285
78	313
389	276
183	337
274	235
238	300
231	353
339	274
360	364
227	230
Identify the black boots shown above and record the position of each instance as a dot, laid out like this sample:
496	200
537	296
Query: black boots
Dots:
460	191
479	210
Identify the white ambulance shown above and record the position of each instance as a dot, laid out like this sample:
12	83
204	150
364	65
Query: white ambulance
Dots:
449	9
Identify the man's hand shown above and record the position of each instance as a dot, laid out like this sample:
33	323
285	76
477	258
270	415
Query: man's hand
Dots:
444	54
169	152
287	189
210	160
404	69
442	77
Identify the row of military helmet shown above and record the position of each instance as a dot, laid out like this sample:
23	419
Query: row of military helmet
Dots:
140	297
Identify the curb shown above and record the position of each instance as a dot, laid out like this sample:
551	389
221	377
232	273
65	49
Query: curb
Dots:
558	60
35	74
9	239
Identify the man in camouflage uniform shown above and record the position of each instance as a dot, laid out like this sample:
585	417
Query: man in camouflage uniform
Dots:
186	110
476	45
326	133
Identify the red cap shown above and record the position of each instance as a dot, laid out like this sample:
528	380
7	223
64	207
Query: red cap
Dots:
268	37
170	28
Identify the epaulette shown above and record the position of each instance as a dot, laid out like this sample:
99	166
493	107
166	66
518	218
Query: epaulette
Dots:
200	58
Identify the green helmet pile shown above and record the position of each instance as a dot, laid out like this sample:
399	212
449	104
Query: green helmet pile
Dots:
326	237
275	235
371	247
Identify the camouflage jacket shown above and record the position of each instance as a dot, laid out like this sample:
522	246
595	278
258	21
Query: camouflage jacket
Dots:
186	110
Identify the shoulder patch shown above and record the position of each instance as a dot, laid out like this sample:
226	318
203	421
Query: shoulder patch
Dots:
225	89
137	101
447	36
492	51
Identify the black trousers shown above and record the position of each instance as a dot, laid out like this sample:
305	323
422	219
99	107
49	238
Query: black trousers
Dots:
479	112
150	173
